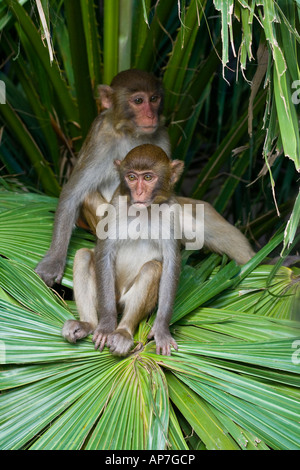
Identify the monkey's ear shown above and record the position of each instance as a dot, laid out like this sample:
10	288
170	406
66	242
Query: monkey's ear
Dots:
117	163
105	93
177	169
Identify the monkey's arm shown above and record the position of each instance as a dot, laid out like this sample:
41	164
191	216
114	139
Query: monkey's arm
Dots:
86	177
219	235
51	267
106	292
167	291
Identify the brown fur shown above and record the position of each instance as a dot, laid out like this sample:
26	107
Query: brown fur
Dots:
120	127
133	275
219	235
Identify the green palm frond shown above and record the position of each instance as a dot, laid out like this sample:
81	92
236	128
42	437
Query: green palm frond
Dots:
234	382
233	371
26	224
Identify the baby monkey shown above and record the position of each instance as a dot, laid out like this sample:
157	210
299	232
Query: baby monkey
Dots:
131	270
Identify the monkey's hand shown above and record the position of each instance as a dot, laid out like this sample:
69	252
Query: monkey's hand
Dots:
51	269
120	342
163	340
74	330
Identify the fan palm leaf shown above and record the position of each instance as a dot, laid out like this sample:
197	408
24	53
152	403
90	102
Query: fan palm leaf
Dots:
57	395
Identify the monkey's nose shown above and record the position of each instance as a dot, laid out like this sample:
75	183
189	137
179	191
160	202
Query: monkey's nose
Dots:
149	112
139	188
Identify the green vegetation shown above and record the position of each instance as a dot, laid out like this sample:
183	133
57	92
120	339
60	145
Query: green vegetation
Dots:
231	75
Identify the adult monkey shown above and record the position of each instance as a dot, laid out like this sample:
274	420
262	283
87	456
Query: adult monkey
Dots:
132	116
133	106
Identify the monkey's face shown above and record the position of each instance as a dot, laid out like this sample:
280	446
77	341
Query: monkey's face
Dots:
147	175
141	185
145	110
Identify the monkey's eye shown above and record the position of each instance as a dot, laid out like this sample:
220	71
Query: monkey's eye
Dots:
154	98
148	177
138	100
131	177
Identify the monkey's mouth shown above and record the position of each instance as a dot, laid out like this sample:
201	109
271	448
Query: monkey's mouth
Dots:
148	129
141	203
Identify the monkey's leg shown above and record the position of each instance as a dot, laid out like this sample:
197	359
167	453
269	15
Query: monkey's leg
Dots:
88	217
219	235
85	296
139	299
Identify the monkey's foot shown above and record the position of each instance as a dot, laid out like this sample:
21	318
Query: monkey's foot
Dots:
74	330
163	341
100	338
120	342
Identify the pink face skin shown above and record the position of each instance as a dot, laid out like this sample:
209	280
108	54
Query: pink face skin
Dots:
145	107
141	185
